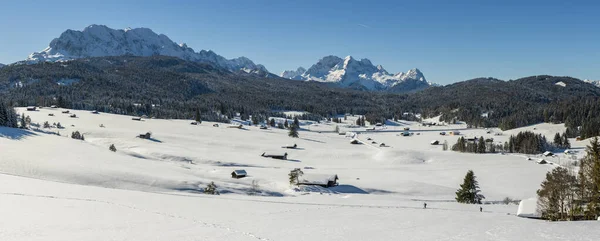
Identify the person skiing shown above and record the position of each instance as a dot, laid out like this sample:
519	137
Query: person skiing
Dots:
480	209
424	205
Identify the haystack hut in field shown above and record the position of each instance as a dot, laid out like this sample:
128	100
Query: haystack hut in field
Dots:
547	153
528	209
239	174
147	135
290	146
323	180
435	142
355	142
275	156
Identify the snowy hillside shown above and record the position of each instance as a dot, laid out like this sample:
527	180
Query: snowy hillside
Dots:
99	40
150	189
594	82
350	72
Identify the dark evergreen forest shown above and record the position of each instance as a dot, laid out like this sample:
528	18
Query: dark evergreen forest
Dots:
167	87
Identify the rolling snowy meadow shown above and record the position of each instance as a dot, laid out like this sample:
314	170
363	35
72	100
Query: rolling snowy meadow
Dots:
54	187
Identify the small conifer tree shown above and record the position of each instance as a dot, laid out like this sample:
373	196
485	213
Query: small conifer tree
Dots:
469	191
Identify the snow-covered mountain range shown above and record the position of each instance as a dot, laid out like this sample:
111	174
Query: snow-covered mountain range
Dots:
362	74
100	40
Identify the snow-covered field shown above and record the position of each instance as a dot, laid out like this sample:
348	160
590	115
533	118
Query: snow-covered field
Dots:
57	188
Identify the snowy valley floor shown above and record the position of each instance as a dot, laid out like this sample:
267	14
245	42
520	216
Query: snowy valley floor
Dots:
56	188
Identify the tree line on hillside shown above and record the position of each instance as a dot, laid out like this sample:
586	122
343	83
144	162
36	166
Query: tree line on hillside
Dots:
525	142
166	87
566	195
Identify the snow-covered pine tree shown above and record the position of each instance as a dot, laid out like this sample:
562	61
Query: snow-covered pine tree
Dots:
112	148
211	189
469	191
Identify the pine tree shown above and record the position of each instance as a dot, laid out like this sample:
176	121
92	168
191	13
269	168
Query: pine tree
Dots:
469	191
445	145
293	132
565	141
295	175
23	122
555	197
337	129
285	124
558	140
481	145
272	122
112	148
46	125
197	116
592	162
211	189
8	116
296	122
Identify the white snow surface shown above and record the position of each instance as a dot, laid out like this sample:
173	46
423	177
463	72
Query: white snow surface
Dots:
57	188
100	40
349	71
594	82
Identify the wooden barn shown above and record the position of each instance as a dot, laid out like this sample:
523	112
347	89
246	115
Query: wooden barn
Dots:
275	156
290	146
323	180
239	174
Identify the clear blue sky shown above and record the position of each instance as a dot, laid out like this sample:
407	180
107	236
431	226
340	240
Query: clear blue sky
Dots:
449	42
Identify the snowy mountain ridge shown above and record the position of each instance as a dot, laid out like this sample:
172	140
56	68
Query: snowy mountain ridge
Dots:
594	82
351	72
100	41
